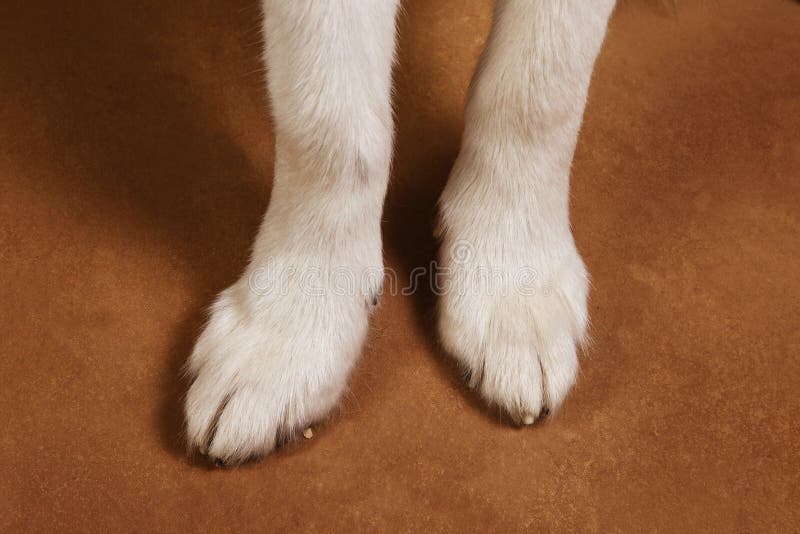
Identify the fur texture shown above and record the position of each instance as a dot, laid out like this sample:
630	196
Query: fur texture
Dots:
516	302
281	342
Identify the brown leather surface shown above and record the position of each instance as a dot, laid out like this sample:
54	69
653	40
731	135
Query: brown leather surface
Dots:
135	162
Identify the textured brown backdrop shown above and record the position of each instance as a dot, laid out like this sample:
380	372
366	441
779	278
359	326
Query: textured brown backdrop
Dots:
135	163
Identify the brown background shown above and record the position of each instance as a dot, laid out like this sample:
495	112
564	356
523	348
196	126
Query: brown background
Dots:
135	162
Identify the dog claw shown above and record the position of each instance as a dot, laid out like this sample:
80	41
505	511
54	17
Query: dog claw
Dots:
528	419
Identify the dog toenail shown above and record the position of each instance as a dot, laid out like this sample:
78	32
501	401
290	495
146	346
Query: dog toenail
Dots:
527	419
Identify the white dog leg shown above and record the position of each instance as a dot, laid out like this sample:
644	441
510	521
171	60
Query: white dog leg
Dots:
514	305
281	342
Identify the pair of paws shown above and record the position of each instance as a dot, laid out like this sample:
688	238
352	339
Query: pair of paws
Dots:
276	354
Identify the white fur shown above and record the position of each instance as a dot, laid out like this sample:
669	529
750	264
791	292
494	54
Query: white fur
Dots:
282	341
271	361
505	209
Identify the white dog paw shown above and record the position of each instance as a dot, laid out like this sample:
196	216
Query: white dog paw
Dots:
273	359
513	304
517	344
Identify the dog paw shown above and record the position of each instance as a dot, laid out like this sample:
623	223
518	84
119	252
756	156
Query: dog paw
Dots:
273	359
513	303
517	342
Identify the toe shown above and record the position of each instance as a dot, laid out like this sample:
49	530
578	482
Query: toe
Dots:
559	363
512	379
204	400
246	427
